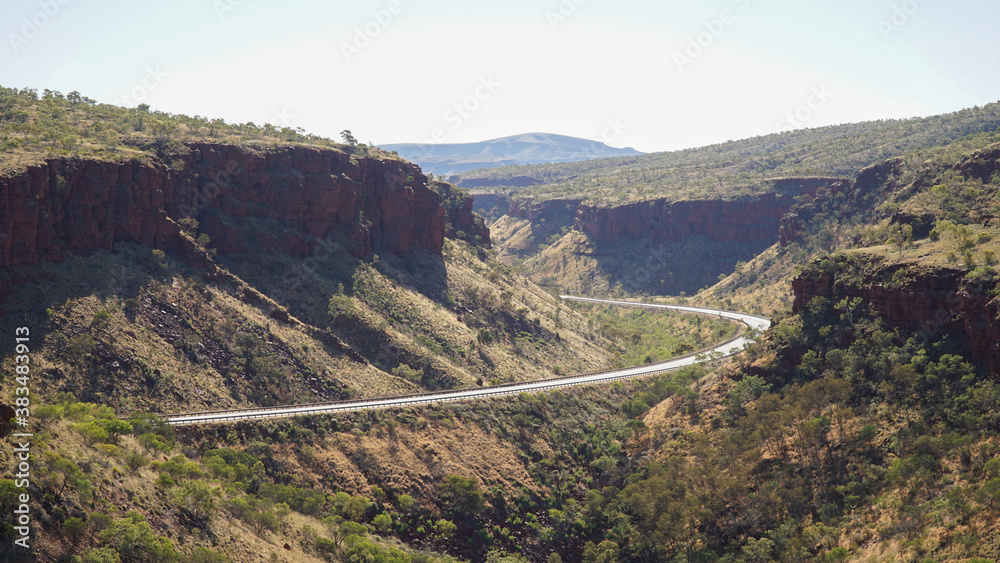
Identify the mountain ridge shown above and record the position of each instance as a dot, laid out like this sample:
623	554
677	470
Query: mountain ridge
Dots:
525	148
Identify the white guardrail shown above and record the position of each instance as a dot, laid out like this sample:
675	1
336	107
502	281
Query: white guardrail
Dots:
725	349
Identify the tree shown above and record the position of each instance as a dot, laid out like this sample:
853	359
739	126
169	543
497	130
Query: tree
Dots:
445	528
405	502
134	540
197	499
750	388
989	493
382	522
758	550
115	428
349	139
74	528
71	475
462	495
837	554
604	552
357	507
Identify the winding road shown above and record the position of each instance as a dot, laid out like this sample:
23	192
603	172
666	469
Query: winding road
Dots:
728	348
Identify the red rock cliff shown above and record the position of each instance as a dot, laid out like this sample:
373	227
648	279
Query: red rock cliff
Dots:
748	219
929	301
81	206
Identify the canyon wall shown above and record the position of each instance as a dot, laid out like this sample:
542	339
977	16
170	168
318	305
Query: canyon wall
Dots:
287	198
747	219
930	301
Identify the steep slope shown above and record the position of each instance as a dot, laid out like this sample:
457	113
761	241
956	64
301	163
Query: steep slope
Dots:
82	205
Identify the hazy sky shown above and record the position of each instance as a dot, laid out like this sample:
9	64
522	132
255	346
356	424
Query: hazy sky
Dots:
656	75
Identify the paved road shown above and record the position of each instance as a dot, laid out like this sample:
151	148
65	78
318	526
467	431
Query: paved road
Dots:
728	348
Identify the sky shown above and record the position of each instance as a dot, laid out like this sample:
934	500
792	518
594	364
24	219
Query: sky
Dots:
653	75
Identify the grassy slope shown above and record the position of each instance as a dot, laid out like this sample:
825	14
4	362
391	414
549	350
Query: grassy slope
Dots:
139	332
941	511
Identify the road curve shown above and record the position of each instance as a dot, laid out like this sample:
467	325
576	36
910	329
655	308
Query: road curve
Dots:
725	349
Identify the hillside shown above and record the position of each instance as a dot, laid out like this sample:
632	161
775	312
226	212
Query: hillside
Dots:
35	127
197	274
192	275
733	169
529	148
672	223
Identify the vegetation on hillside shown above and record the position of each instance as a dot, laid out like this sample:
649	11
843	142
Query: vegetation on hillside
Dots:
644	336
836	438
37	126
934	208
736	168
145	331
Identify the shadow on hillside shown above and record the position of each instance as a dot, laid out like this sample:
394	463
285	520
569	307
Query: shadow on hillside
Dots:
305	285
100	285
106	275
665	268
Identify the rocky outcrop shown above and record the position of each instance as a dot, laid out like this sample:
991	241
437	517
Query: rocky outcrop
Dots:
842	198
561	211
462	219
723	221
747	219
289	199
929	301
982	165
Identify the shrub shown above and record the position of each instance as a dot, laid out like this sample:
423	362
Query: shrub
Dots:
445	528
92	432
462	495
382	522
134	540
408	373
135	460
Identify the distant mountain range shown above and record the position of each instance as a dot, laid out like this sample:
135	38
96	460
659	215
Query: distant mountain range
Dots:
529	148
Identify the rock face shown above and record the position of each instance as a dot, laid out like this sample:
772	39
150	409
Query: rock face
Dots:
560	211
756	218
461	219
930	302
82	206
289	199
